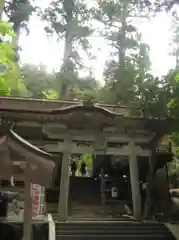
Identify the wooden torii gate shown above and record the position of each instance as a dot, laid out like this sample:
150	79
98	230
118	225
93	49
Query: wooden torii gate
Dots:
38	168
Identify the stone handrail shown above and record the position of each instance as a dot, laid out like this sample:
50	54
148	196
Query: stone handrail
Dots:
174	228
52	232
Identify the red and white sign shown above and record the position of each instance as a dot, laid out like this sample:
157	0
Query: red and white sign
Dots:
37	200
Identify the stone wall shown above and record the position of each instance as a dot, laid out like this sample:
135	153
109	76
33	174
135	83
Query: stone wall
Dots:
12	230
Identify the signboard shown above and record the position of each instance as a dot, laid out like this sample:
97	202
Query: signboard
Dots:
38	200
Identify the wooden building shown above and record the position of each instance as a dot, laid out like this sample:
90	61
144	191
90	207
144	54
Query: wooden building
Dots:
109	132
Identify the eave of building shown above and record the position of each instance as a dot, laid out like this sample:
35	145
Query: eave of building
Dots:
25	146
13	147
39	104
76	114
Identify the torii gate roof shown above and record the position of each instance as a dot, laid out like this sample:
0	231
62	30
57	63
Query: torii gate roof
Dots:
79	115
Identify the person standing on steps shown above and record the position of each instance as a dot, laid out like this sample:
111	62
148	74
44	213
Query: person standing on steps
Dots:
83	169
73	168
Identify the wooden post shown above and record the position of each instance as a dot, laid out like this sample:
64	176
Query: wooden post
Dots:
135	185
149	208
65	180
27	229
103	198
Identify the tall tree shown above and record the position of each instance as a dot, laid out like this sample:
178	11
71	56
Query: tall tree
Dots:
142	58
174	45
142	66
171	80
122	35
69	19
171	86
18	13
1	8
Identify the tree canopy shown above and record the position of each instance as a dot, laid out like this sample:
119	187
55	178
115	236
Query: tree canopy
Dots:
10	83
127	76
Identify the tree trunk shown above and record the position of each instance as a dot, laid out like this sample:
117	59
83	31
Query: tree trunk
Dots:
177	56
15	41
66	66
1	8
122	38
150	191
122	52
67	52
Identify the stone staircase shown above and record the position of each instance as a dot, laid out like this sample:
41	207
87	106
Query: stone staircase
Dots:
93	222
87	211
95	230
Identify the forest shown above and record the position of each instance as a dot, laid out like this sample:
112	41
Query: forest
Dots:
127	77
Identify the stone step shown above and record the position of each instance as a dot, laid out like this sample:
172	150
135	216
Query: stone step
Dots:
111	230
97	211
90	209
114	237
98	219
79	211
111	224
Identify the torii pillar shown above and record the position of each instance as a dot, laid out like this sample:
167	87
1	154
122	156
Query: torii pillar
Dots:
65	181
135	185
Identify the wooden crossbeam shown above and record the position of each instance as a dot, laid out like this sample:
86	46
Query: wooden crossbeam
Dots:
75	149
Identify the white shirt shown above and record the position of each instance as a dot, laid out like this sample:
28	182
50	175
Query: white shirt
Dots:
144	185
12	181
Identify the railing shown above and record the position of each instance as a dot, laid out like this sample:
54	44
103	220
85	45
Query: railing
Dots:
52	232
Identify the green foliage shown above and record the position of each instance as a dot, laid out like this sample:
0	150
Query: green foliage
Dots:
39	83
171	79
125	72
18	12
173	170
126	75
6	29
70	21
171	87
87	158
9	82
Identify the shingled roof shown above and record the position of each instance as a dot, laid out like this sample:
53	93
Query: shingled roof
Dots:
42	164
71	113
